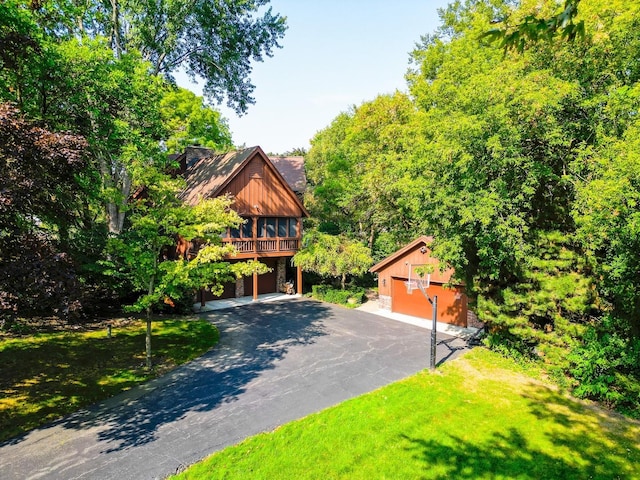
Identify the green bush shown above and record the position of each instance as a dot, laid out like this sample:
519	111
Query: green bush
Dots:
607	366
349	297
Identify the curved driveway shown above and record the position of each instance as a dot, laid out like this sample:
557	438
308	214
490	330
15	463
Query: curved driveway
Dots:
275	362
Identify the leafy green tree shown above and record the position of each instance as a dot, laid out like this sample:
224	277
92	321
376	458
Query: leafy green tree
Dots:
521	166
356	170
333	256
114	103
157	219
534	28
215	40
190	122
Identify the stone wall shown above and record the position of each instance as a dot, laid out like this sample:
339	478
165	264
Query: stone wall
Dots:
384	302
281	273
240	287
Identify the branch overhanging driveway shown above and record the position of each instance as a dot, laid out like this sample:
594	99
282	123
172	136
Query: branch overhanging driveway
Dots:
275	362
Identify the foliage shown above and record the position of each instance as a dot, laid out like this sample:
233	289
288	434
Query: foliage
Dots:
350	297
39	194
479	418
522	167
333	256
547	307
156	221
356	167
44	376
214	40
102	70
607	365
191	122
533	29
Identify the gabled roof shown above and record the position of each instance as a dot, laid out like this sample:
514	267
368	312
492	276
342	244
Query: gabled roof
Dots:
292	170
424	240
207	173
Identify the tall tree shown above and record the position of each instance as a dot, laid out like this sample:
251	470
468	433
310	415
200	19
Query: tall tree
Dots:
190	122
215	40
157	218
356	167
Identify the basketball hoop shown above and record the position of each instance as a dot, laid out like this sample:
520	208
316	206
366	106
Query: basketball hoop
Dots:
421	284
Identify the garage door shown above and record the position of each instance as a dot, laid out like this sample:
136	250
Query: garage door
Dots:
452	303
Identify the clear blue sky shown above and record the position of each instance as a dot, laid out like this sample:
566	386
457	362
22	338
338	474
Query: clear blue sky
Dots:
335	54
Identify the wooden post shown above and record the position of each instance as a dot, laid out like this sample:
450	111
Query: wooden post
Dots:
298	280
255	283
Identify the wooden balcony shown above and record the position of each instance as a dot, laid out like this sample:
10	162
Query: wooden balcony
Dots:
264	247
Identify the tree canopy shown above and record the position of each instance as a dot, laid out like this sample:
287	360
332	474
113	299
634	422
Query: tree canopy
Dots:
521	165
99	74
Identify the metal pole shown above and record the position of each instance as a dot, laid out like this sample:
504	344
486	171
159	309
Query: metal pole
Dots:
434	303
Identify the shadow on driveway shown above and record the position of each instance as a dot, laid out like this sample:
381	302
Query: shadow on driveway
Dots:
252	339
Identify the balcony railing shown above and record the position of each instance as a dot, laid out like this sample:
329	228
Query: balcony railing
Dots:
264	245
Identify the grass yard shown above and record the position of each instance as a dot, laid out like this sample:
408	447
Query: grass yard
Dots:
478	417
47	375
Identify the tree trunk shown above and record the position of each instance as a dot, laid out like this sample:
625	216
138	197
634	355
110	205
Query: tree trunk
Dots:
343	281
122	180
115	28
148	336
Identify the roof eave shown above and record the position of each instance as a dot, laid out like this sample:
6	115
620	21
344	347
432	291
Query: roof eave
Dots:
424	239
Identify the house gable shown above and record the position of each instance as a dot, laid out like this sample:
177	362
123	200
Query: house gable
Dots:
248	175
415	254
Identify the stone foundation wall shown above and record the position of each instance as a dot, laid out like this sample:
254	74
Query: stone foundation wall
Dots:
281	273
240	287
472	320
384	302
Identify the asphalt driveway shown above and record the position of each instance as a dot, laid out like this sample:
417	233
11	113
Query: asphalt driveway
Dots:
275	362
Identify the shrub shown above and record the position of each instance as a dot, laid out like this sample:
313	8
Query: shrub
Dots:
349	297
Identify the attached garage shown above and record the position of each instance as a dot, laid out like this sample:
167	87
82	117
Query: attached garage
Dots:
401	266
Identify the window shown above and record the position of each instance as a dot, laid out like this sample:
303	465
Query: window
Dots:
267	227
247	228
283	224
293	227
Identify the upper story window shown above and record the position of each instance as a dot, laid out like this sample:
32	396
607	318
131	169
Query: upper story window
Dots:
270	227
267	227
245	230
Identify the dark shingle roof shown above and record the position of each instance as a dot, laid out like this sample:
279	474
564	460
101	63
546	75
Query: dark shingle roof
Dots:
206	172
292	170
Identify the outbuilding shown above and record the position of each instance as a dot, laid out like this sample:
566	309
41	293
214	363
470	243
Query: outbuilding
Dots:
399	268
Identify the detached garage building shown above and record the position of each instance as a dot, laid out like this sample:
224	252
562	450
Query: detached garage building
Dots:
400	267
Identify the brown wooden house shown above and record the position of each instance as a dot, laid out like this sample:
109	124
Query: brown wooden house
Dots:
400	267
272	210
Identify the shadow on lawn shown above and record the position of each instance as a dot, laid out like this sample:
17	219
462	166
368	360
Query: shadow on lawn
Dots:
252	339
576	449
63	371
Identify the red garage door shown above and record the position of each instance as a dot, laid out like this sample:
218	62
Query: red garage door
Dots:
452	303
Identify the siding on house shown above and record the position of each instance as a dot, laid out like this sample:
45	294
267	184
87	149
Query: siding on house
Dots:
273	212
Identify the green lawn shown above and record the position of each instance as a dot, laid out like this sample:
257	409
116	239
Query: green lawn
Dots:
478	417
46	375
